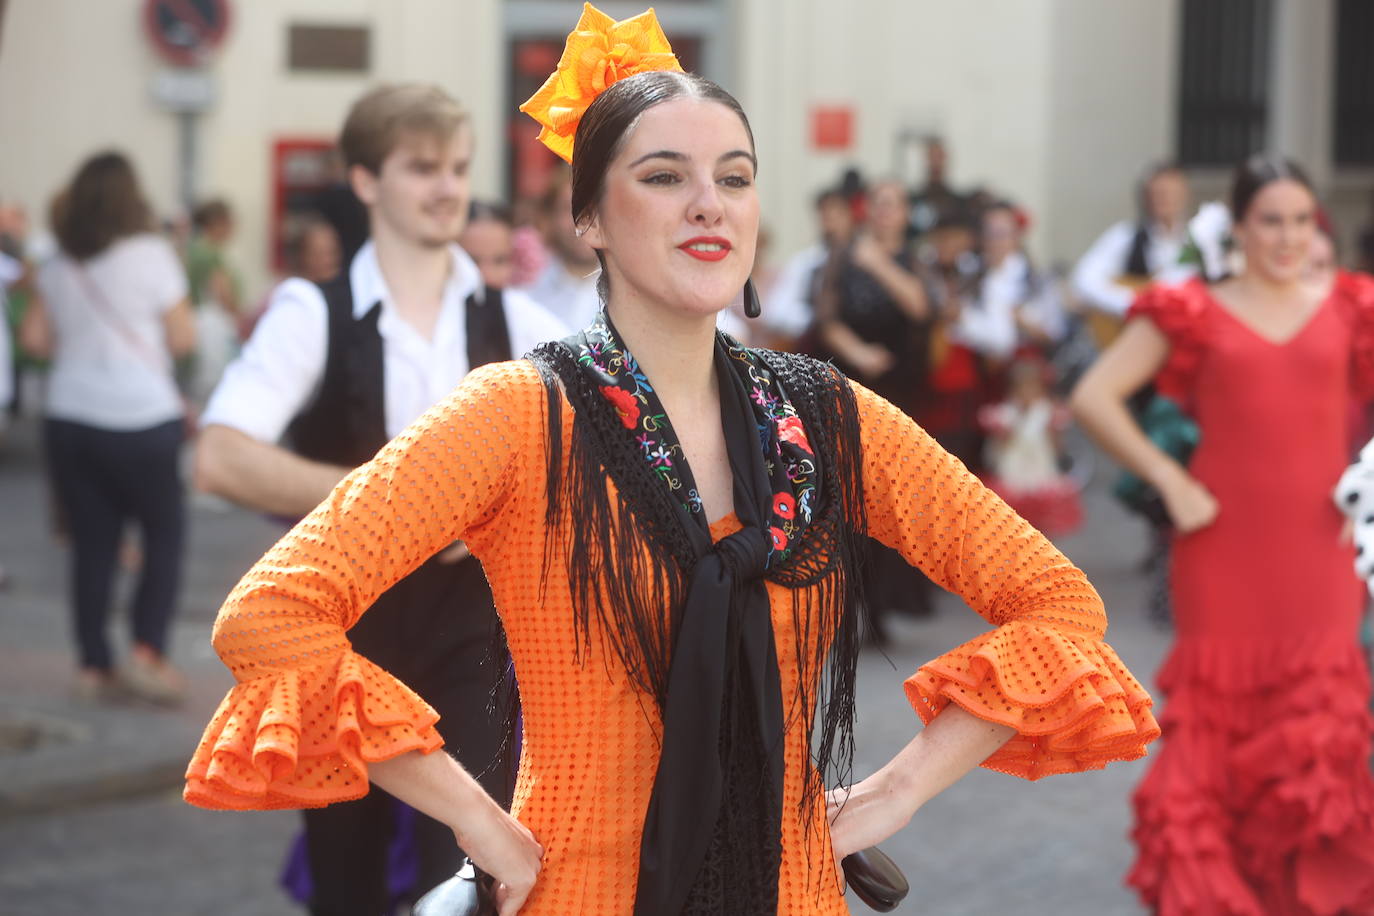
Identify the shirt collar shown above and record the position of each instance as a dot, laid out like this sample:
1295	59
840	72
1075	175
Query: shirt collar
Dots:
369	286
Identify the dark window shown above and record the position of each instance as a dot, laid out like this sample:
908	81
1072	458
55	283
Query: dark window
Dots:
1354	115
1223	104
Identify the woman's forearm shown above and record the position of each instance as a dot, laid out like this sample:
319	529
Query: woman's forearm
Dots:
434	784
496	842
904	287
953	743
1106	419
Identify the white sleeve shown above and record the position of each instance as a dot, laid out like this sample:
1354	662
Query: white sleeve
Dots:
6	360
1094	277
990	331
529	323
1045	309
279	368
788	308
11	269
167	274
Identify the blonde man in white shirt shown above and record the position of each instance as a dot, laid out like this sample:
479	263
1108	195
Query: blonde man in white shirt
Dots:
336	370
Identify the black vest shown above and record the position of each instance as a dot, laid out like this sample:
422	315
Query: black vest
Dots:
346	422
437	628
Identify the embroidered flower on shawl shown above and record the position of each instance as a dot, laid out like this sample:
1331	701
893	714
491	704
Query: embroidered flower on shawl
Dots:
784	506
779	538
790	430
599	52
625	405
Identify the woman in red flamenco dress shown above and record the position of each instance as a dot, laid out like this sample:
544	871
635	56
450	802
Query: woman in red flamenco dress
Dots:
1261	800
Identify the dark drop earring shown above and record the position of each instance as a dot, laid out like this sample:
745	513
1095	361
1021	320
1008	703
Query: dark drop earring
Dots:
751	299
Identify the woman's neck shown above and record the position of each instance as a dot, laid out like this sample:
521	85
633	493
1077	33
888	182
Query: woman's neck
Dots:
1266	290
675	351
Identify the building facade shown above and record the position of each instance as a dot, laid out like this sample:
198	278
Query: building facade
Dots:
1055	103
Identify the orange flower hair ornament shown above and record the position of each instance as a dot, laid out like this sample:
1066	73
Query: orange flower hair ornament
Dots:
599	53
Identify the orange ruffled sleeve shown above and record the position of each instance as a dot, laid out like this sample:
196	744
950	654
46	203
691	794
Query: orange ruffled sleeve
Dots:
1045	670
309	714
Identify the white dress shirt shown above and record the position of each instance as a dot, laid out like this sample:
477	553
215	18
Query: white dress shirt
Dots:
572	297
788	309
1097	272
111	367
10	272
278	372
989	324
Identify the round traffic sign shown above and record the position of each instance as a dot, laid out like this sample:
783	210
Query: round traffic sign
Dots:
185	31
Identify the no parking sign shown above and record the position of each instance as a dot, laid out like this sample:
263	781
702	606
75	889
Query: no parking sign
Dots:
186	31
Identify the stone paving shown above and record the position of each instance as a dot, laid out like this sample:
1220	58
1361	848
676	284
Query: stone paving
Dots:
91	821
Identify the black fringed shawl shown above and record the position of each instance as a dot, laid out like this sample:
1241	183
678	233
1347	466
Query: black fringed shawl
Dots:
630	559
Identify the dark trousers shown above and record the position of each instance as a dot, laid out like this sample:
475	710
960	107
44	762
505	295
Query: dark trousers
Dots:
103	480
436	630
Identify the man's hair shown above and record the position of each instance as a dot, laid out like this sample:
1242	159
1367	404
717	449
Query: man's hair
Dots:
377	121
211	212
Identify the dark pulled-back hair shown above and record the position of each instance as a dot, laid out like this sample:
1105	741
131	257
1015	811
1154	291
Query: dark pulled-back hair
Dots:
103	204
1255	173
481	211
615	112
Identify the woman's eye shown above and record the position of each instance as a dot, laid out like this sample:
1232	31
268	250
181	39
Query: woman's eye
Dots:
736	181
660	178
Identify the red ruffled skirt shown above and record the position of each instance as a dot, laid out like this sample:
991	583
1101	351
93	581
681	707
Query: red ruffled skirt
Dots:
1260	801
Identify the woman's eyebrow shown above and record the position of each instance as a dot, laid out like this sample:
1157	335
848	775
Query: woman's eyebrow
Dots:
739	153
683	157
660	154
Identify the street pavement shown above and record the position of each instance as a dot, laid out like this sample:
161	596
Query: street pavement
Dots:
91	820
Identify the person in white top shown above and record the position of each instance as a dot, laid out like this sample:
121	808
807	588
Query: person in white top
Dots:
112	315
11	270
1013	303
1134	252
567	284
330	373
789	307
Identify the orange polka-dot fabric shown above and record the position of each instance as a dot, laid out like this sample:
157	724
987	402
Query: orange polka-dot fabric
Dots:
309	715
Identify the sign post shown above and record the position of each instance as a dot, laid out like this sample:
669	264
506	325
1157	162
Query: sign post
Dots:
184	33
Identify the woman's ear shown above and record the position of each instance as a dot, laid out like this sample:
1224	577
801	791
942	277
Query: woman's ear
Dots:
589	231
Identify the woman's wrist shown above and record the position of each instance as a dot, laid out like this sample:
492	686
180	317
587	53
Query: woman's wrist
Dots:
900	785
1166	474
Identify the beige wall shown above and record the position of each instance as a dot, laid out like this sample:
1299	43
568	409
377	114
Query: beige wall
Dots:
74	78
976	72
1057	103
1112	90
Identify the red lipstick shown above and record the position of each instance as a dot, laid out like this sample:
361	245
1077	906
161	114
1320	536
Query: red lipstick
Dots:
706	247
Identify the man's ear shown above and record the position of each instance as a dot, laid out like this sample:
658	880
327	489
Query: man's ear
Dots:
364	184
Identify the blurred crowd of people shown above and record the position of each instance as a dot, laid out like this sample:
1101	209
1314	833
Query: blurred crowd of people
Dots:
143	337
926	294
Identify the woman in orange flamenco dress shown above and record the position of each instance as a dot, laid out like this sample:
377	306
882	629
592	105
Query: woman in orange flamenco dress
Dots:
670	523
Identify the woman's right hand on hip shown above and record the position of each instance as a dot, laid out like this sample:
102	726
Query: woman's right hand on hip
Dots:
1191	506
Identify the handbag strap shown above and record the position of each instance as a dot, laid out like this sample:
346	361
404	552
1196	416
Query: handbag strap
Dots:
116	322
